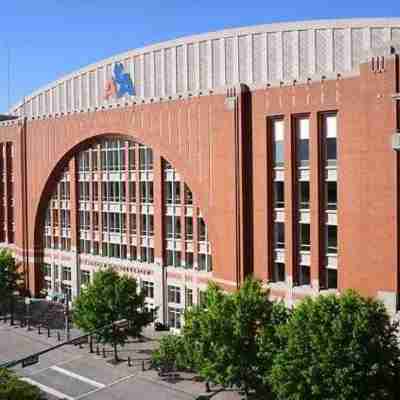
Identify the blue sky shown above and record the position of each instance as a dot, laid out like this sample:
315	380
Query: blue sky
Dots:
49	38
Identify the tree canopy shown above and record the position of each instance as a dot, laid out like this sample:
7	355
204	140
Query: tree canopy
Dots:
110	298
337	348
13	388
10	278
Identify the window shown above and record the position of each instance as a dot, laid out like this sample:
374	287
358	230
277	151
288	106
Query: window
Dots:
66	274
304	275
148	289
173	227
303	138
174	294
95	220
205	262
132	223
56	272
202	298
188	196
279	232
46	269
202	231
133	252
189	228
132	192
85	278
95	191
174	317
143	254
330	131
304	195
65	244
278	142
331	195
189	260
95	248
189	297
331	278
278	273
279	194
331	234
132	158
304	237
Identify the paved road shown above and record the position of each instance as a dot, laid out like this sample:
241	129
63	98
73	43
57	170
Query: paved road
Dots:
72	373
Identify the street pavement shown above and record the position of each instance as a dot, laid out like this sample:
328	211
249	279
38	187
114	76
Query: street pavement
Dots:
72	373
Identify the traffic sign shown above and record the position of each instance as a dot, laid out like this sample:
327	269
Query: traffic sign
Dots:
31	360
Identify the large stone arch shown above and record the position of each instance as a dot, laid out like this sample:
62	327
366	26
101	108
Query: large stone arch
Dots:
62	164
201	137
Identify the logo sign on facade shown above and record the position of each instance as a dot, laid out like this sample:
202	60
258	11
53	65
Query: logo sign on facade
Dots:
30	361
120	84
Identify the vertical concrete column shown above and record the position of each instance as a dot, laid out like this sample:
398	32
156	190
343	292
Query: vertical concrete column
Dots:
100	201
158	208
6	190
315	202
138	204
290	204
269	230
75	270
127	200
183	225
195	237
91	200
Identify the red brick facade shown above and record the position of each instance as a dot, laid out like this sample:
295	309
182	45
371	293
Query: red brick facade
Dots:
220	146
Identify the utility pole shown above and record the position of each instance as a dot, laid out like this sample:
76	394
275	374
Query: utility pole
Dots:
9	75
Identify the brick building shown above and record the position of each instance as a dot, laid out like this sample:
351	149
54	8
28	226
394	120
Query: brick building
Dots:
268	150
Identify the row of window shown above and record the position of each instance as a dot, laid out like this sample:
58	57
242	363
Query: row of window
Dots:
328	149
303	189
302	140
112	156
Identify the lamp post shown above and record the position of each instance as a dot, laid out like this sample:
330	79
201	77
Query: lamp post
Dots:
28	312
67	328
13	294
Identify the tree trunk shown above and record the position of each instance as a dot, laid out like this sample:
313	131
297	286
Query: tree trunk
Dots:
116	359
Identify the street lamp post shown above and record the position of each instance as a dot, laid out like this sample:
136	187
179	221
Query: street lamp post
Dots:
67	328
28	312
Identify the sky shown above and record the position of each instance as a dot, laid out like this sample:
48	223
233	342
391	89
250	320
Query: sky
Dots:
50	38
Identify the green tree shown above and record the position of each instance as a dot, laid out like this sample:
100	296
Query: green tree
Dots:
337	348
223	335
13	388
10	277
172	354
110	298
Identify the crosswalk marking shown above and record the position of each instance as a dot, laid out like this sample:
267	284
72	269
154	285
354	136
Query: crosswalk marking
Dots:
79	377
48	390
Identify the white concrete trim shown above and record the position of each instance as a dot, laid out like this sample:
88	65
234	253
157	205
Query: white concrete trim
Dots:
78	377
48	389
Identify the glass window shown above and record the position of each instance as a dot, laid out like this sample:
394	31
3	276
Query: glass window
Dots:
46	269
279	232
331	278
330	128
202	231
303	138
174	317
278	272
278	142
66	274
189	297
189	260
133	251
304	275
304	237
331	195
279	194
331	238
85	278
148	289
132	192
304	195
174	294
188	196
189	228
